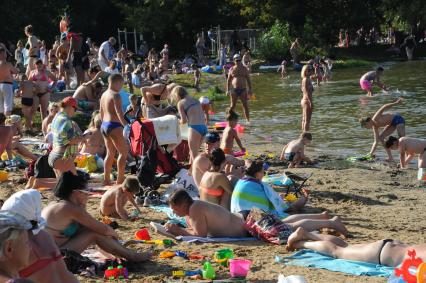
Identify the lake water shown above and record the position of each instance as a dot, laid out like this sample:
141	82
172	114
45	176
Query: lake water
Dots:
276	112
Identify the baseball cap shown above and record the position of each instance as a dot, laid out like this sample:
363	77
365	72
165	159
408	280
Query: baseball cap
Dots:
212	137
27	203
237	57
68	182
69	101
12	220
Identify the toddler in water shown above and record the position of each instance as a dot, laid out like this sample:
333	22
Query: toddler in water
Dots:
114	200
197	77
283	69
294	151
230	134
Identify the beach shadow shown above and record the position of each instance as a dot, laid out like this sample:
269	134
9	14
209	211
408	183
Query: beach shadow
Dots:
341	197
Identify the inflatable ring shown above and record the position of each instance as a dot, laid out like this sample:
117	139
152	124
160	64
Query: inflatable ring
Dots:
421	273
413	261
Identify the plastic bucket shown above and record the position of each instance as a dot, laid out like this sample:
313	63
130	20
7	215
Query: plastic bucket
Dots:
239	267
223	256
142	234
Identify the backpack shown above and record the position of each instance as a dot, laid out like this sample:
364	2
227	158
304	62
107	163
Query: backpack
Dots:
148	166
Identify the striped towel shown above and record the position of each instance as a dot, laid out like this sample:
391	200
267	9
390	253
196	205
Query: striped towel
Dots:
249	193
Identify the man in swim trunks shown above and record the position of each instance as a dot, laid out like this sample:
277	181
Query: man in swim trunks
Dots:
204	218
408	148
239	85
389	121
112	128
6	83
34	49
76	43
88	96
202	163
373	77
386	252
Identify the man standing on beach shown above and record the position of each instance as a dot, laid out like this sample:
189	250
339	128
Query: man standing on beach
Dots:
239	86
106	53
6	83
294	50
112	128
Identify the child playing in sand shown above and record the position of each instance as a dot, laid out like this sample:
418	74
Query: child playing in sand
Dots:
230	134
114	200
26	92
197	77
294	151
133	108
283	69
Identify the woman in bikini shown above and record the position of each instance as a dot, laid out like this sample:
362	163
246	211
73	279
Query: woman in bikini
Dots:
215	187
191	113
74	228
306	102
40	77
386	252
390	122
34	49
45	262
66	137
152	99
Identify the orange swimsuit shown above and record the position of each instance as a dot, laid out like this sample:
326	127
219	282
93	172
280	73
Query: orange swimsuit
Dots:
213	192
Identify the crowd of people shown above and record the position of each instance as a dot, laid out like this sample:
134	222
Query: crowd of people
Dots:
231	190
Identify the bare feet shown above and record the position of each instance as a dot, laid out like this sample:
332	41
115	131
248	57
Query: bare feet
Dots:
338	226
296	236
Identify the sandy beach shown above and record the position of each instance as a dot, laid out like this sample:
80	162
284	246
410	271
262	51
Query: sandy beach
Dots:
374	201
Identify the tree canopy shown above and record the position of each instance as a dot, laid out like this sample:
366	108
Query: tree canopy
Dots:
177	21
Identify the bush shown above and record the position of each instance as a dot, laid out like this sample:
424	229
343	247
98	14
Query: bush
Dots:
274	44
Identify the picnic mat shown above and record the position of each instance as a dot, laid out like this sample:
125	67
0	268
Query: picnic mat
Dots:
309	258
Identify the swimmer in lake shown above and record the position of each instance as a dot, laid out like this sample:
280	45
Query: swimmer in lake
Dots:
373	77
389	121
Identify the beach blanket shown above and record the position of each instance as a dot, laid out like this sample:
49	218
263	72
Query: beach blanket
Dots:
309	258
249	193
167	130
193	239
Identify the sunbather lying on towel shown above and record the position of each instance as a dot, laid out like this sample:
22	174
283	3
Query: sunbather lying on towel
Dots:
208	219
384	252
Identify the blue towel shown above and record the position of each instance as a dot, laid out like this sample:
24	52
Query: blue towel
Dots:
170	214
311	258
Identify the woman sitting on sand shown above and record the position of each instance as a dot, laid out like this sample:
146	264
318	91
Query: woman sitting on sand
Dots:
94	143
14	245
74	228
45	263
215	186
386	252
250	192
